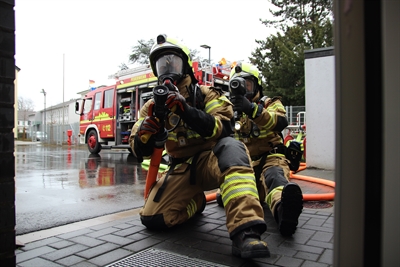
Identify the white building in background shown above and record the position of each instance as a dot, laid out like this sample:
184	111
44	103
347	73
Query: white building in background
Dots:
60	114
24	124
56	120
16	102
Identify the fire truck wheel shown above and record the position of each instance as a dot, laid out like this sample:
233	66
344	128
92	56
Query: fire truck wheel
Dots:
94	146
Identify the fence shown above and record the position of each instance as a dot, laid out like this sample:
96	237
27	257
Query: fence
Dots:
296	116
57	134
293	111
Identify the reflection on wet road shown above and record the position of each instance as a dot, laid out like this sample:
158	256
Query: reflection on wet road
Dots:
59	185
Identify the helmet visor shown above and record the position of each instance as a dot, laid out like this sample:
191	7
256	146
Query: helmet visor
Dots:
169	64
250	87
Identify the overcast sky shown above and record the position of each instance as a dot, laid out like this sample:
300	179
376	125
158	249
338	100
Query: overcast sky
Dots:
62	44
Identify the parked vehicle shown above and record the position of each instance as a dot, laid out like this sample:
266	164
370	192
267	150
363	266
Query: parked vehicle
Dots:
41	136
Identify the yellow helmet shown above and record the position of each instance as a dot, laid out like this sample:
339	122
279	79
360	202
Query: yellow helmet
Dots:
170	59
251	74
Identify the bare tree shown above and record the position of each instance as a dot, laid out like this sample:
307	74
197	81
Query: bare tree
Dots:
123	66
25	106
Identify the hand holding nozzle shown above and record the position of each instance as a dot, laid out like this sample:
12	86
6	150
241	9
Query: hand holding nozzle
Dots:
154	123
240	102
237	88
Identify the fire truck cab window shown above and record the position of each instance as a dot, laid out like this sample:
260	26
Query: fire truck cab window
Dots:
97	100
108	98
88	105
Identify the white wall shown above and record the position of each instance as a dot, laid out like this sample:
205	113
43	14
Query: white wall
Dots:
72	116
320	108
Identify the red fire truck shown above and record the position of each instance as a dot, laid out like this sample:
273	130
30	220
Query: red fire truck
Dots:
108	113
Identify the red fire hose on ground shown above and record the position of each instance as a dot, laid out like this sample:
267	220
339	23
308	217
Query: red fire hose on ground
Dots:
314	197
306	197
293	175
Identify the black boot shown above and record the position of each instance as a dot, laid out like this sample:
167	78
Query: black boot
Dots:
203	205
248	244
219	200
289	209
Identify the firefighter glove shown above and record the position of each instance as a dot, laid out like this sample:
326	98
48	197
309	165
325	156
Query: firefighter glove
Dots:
149	126
176	103
150	134
242	104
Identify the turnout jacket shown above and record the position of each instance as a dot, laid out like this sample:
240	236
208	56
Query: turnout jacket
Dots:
263	133
183	141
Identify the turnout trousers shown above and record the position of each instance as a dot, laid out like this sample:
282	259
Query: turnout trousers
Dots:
226	166
275	175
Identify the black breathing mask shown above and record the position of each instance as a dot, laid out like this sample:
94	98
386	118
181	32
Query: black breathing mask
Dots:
170	67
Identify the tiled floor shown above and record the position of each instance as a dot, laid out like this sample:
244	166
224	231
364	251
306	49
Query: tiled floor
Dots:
31	237
121	239
106	240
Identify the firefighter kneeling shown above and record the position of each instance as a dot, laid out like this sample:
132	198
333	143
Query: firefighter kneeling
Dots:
204	155
259	127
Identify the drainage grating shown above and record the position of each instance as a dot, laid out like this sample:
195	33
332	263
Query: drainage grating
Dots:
317	204
153	257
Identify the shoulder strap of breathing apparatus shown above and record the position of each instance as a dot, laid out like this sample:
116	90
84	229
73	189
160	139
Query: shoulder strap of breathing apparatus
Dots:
196	97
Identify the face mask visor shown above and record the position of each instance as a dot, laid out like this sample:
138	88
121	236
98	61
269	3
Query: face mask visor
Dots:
250	88
169	66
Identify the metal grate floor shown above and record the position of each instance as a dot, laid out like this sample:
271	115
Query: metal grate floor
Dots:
153	257
317	204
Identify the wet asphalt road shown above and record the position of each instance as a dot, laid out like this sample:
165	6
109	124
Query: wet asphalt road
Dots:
59	185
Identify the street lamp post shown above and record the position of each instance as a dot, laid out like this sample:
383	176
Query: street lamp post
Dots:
44	112
209	52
